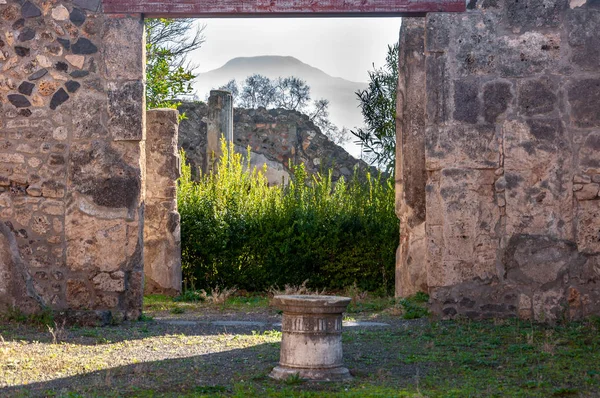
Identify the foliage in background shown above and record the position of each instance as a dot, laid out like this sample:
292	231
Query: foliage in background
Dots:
288	93
238	231
168	73
378	105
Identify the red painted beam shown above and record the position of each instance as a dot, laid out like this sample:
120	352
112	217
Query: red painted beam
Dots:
280	8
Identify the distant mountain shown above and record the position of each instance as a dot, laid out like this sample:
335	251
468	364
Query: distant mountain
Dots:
344	111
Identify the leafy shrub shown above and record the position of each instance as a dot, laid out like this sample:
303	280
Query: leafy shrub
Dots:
238	231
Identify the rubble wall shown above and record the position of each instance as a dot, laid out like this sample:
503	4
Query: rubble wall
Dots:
71	159
512	137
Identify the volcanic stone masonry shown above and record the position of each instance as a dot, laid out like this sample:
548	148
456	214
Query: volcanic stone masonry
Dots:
498	159
499	162
71	159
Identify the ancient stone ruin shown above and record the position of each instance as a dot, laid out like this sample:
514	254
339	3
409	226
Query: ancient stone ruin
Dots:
162	239
498	158
276	137
71	159
499	166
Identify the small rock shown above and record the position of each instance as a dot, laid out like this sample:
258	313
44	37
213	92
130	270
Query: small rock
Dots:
84	46
24	112
47	87
91	5
26	34
19	101
57	75
54	49
500	184
37	100
76	60
18	24
596	178
65	43
60	13
26	88
588	192
72	86
499	171
62	67
577	187
34	191
500	200
39	74
77	17
30	10
22	51
10	13
43	61
58	98
79	74
582	179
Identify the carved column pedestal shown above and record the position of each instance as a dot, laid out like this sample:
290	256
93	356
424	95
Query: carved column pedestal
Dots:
311	346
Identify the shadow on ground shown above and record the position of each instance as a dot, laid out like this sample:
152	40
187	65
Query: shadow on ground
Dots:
221	368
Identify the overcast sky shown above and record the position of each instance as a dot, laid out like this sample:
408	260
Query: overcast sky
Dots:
344	48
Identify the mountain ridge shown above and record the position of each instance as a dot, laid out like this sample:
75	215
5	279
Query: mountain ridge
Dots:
341	93
293	60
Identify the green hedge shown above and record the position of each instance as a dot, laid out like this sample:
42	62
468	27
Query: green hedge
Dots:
238	231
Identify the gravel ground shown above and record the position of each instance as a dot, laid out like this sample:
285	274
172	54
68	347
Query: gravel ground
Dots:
202	347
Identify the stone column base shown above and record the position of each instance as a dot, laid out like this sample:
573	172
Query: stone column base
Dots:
333	374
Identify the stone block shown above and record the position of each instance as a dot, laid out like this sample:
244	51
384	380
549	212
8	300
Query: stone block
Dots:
462	248
94	244
123	48
126	108
528	54
536	260
526	15
548	306
588	226
584	97
537	170
462	146
480	56
114	282
437	88
466	101
109	175
587	192
497	97
589	153
79	295
537	96
438	32
89	117
583	28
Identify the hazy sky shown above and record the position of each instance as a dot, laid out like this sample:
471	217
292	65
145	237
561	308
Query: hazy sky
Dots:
344	48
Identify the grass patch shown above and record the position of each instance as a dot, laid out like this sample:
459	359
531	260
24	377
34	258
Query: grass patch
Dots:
502	358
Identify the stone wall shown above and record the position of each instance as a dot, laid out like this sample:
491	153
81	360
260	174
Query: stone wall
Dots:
162	239
71	159
275	137
511	135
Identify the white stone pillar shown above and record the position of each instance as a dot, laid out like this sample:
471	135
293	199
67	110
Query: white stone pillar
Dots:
220	124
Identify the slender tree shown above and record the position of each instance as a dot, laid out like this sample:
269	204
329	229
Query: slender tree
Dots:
292	93
378	106
168	71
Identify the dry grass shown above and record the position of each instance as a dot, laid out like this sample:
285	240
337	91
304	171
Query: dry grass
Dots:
58	332
295	290
218	296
